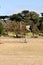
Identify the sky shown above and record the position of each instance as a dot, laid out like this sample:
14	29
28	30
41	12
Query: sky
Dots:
9	7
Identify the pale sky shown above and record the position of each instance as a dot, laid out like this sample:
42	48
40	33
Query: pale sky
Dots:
8	7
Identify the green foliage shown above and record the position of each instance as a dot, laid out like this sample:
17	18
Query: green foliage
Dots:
16	17
17	22
41	23
29	18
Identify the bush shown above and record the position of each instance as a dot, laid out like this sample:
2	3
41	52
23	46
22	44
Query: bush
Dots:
1	28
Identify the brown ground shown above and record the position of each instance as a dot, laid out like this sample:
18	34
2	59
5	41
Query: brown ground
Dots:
14	51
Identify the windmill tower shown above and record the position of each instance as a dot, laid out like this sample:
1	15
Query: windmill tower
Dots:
28	28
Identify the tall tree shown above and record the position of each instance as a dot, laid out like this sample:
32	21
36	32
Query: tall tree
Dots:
35	22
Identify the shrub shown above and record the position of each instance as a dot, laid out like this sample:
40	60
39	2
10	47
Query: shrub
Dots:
1	28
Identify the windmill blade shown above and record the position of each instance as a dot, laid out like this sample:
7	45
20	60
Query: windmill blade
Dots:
28	27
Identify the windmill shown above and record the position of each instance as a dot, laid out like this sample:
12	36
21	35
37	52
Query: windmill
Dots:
28	28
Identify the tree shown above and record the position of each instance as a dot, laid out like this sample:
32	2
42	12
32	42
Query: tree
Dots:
1	28
35	22
27	17
41	23
34	17
4	17
18	19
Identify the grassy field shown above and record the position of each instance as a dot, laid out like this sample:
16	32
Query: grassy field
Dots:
14	51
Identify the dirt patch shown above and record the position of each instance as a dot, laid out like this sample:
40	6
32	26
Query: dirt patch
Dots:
14	51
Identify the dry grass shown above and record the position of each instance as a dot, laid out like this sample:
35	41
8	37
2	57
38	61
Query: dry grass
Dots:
16	52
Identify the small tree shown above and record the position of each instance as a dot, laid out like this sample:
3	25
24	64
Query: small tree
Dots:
1	28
